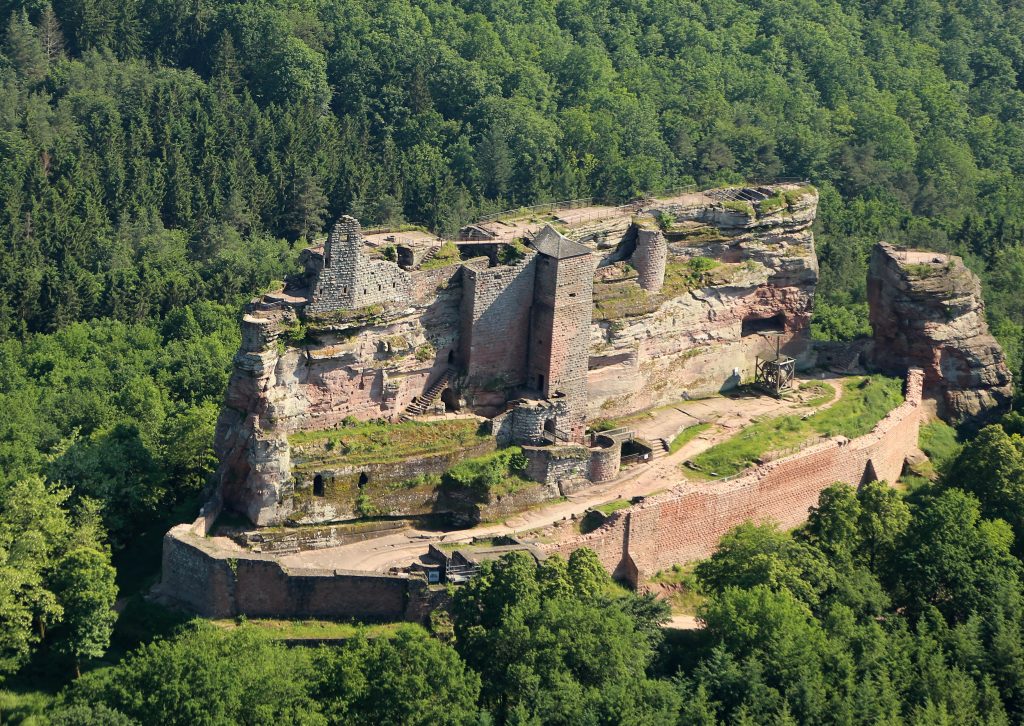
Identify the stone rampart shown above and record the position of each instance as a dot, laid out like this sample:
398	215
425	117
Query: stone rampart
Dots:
220	583
686	523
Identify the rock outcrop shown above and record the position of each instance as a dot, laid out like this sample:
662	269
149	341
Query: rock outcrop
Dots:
927	311
740	282
537	326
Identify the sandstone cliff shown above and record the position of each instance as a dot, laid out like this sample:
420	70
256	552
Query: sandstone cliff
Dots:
927	311
740	280
686	293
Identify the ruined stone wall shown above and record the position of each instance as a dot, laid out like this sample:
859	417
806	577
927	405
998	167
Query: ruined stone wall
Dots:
557	465
686	523
693	341
496	323
222	584
369	367
560	335
349	279
649	259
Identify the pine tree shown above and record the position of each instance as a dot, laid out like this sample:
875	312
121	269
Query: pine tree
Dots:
50	34
25	49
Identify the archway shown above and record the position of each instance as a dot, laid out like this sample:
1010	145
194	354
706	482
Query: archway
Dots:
363	479
450	400
318	485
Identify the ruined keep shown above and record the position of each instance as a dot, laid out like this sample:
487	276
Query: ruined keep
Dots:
531	326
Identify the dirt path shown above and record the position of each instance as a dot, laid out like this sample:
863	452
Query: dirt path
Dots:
683	622
729	416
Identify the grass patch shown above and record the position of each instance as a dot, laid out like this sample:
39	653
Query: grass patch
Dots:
447	254
866	400
772	204
923	270
938	440
626	299
496	474
826	392
742	207
316	629
683	592
795	195
686	436
374	442
612	507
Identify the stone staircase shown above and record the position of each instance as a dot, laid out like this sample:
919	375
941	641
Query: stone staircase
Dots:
420	404
431	254
661	448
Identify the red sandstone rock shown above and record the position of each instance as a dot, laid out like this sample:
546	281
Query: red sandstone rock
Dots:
927	312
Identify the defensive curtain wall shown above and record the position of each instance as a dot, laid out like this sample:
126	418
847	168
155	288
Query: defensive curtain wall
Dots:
216	582
686	523
678	526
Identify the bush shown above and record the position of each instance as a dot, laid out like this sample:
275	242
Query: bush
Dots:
484	473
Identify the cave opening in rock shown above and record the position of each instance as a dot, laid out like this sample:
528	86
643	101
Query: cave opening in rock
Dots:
754	326
450	400
363	479
318	485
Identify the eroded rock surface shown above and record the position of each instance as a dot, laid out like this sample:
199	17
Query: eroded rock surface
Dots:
927	312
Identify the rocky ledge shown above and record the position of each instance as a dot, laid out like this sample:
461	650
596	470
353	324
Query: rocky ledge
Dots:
927	311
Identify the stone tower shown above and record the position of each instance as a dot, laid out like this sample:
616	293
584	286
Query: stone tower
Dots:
347	279
560	326
649	259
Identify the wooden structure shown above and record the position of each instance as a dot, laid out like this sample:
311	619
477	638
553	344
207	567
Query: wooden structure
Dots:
775	375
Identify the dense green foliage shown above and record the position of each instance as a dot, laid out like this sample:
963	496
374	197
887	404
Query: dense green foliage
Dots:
152	148
163	160
876	611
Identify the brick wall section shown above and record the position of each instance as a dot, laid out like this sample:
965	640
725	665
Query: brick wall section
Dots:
685	524
649	259
350	279
560	335
496	306
224	584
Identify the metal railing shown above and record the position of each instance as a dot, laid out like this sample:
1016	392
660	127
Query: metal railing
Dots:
555	436
460	573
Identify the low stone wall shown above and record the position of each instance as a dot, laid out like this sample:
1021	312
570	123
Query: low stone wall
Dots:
219	583
686	523
556	464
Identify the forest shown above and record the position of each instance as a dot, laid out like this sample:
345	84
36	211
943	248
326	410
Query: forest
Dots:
164	160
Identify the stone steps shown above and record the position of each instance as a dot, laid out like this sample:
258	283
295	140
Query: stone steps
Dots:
431	254
420	404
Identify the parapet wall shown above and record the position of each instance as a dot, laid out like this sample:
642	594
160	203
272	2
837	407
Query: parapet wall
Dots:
686	523
219	583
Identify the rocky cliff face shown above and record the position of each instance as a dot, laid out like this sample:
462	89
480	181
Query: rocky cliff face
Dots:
687	292
927	311
740	281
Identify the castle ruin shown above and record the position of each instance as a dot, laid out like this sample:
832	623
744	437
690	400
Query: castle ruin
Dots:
525	334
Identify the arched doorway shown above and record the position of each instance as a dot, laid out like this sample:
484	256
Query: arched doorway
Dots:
450	400
318	485
363	479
